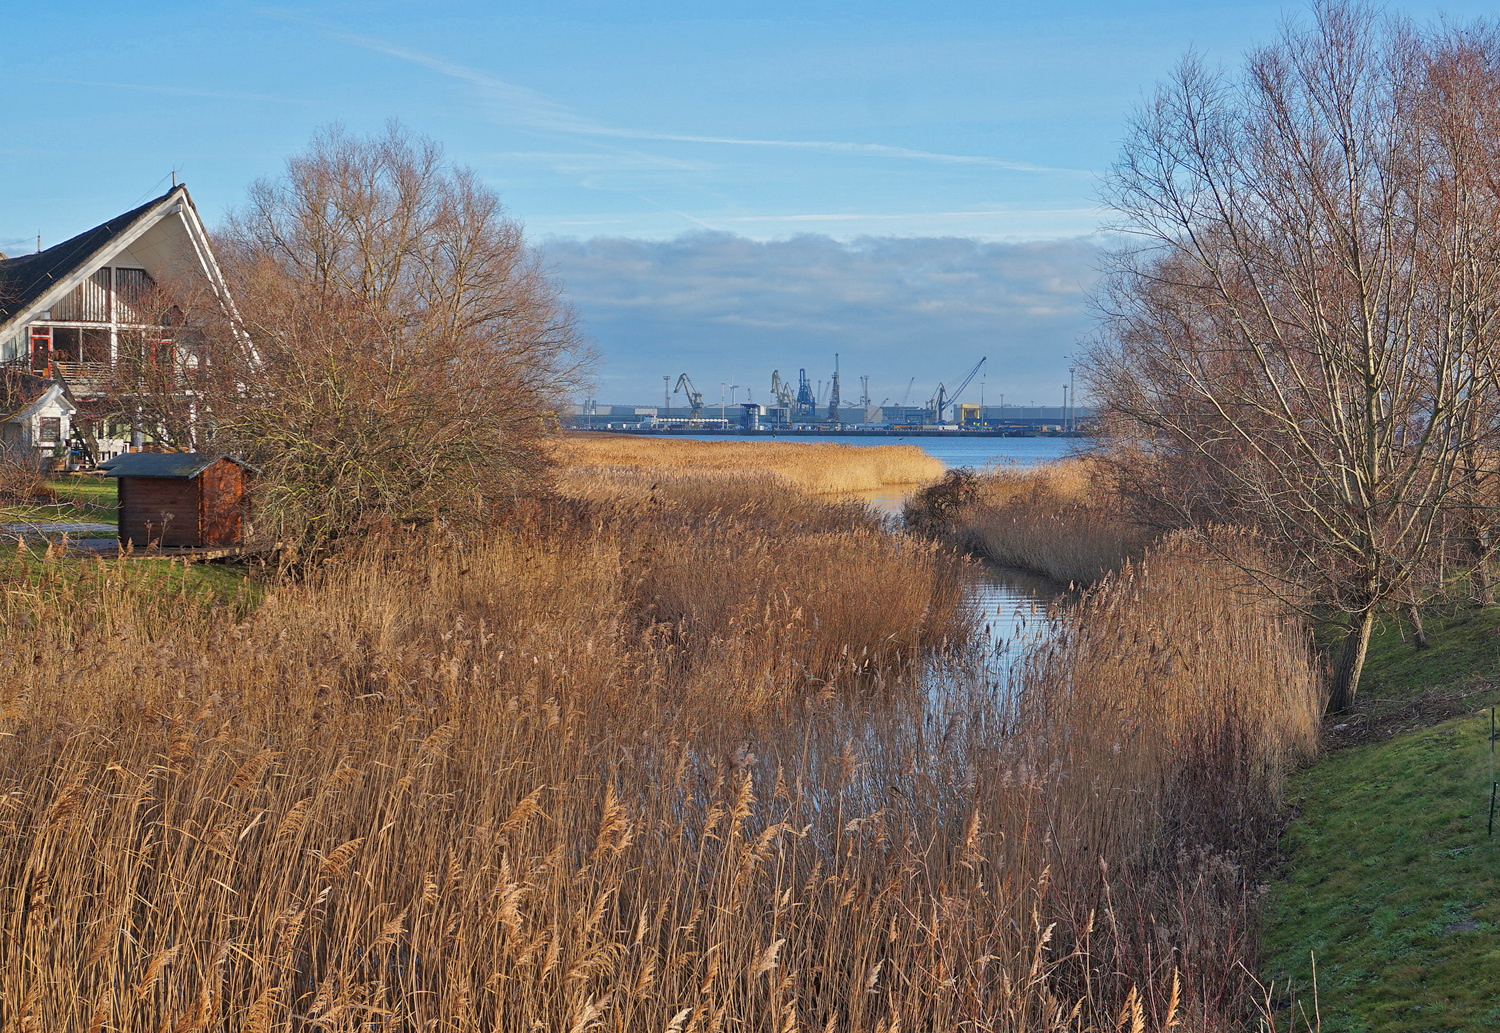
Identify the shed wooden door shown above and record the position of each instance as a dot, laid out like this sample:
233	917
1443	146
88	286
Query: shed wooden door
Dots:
221	490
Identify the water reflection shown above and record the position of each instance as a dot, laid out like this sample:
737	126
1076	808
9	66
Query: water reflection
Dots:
887	501
1011	606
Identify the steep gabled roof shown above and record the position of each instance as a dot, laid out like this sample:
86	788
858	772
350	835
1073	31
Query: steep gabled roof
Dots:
25	279
22	394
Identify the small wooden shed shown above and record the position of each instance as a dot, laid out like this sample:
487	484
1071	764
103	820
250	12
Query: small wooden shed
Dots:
180	500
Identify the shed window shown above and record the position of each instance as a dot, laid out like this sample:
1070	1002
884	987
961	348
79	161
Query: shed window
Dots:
49	428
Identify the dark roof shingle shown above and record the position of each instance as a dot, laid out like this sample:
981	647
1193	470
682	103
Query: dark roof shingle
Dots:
179	465
28	277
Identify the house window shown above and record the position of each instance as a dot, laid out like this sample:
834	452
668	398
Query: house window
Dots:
65	346
95	346
49	429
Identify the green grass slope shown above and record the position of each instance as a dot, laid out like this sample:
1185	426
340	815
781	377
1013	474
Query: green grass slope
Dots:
78	499
1391	883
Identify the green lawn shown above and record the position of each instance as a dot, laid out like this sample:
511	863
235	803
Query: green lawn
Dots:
80	499
1390	880
228	584
1464	654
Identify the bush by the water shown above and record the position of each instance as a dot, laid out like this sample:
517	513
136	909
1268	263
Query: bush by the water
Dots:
1053	519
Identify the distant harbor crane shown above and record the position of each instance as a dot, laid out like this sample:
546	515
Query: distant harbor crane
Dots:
942	399
694	396
782	392
833	392
807	402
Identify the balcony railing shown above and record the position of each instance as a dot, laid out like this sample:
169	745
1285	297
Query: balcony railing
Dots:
85	376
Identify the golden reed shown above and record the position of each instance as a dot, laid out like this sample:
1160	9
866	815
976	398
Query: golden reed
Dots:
668	762
817	467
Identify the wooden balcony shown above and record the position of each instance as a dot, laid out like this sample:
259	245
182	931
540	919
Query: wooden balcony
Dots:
85	377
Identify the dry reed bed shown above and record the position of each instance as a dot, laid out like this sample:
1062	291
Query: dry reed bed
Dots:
1181	694
1052	519
484	785
821	468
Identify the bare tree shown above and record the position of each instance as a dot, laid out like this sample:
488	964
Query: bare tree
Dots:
1293	343
1461	110
396	349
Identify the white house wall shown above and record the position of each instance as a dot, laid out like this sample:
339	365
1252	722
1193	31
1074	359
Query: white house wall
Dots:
13	346
165	251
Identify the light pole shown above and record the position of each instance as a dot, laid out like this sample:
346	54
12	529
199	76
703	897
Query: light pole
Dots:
1064	421
1072	394
666	395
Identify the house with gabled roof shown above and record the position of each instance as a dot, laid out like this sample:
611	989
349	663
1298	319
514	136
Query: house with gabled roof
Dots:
80	311
36	414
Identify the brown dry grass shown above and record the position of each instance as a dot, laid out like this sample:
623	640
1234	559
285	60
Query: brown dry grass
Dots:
820	468
1054	519
629	766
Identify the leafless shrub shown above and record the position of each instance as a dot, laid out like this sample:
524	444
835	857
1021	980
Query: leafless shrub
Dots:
393	350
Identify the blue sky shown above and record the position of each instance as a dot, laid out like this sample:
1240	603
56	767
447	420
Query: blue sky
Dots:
725	188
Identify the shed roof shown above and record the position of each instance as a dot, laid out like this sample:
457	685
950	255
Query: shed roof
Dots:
181	465
26	278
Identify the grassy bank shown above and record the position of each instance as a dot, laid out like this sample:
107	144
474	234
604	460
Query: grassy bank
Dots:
820	468
1390	881
63	499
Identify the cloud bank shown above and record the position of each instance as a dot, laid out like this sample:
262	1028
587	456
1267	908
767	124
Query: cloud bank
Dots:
722	306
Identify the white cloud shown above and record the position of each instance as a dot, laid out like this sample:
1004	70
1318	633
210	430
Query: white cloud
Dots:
716	304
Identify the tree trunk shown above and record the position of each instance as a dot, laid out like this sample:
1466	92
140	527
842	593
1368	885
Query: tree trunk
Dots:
1480	585
1418	633
1351	661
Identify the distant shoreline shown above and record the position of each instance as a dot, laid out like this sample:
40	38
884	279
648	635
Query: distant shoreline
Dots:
831	432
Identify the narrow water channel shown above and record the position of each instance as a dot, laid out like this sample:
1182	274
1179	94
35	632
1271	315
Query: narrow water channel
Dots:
1010	604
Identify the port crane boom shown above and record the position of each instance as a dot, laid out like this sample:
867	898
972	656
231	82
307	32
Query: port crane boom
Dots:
943	399
782	392
694	396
